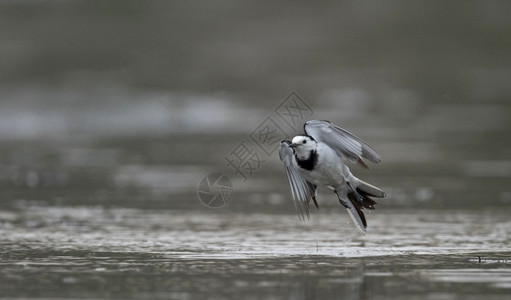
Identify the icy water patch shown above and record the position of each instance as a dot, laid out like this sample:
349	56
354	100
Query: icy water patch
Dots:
214	234
149	254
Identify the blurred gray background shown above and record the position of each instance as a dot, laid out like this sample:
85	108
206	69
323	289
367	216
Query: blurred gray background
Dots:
111	112
97	97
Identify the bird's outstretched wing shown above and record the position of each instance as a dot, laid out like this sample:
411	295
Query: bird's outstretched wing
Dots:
301	190
346	144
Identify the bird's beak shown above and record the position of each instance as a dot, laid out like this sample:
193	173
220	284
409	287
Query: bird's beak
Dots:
293	145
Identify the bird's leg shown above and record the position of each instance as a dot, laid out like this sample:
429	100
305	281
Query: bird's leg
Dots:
315	202
343	203
357	195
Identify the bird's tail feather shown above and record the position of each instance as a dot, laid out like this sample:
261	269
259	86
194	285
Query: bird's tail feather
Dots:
367	189
354	209
356	219
359	199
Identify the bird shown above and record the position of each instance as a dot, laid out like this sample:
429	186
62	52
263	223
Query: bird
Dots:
318	158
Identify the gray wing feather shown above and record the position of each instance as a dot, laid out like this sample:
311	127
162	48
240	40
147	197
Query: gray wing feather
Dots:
343	142
301	190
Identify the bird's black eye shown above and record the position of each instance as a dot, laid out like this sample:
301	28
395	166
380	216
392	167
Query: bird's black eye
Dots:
304	141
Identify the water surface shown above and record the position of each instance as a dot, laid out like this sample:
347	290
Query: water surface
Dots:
131	253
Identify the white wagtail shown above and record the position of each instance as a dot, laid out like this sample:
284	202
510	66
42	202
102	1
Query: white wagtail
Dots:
316	158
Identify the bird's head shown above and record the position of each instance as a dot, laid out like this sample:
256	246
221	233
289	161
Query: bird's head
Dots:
303	143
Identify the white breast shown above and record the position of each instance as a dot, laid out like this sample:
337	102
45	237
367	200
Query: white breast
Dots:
330	169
